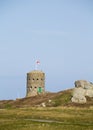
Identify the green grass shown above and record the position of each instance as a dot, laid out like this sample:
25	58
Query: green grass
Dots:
62	99
58	119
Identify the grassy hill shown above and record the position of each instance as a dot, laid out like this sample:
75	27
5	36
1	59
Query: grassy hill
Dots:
59	113
62	98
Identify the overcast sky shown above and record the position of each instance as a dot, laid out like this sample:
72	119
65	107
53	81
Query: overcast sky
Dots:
58	33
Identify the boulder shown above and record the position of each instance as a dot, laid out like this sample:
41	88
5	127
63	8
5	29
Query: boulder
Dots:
82	89
78	95
84	84
89	93
80	99
78	92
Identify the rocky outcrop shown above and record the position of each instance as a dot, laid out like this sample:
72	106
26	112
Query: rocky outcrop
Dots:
82	89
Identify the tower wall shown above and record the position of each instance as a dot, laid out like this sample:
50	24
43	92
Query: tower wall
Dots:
35	83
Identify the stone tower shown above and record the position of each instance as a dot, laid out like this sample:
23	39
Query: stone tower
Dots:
35	83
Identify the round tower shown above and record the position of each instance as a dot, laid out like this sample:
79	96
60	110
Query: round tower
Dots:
35	83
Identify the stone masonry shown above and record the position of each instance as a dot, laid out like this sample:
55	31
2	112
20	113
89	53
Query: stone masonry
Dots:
35	83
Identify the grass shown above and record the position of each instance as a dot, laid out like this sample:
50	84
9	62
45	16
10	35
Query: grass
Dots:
59	118
58	115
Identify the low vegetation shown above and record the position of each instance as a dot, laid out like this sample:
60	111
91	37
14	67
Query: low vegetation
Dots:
62	98
59	118
57	113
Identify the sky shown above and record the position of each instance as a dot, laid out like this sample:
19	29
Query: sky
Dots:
58	33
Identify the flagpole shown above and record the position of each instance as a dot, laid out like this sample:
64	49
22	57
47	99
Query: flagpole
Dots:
36	64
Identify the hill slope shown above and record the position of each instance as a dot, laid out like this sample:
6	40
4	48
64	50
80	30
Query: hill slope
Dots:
62	98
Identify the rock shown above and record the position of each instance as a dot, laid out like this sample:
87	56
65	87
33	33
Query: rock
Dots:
83	83
89	93
49	101
78	92
82	89
79	95
80	99
43	104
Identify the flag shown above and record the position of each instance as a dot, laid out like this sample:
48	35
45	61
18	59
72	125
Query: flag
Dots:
37	62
